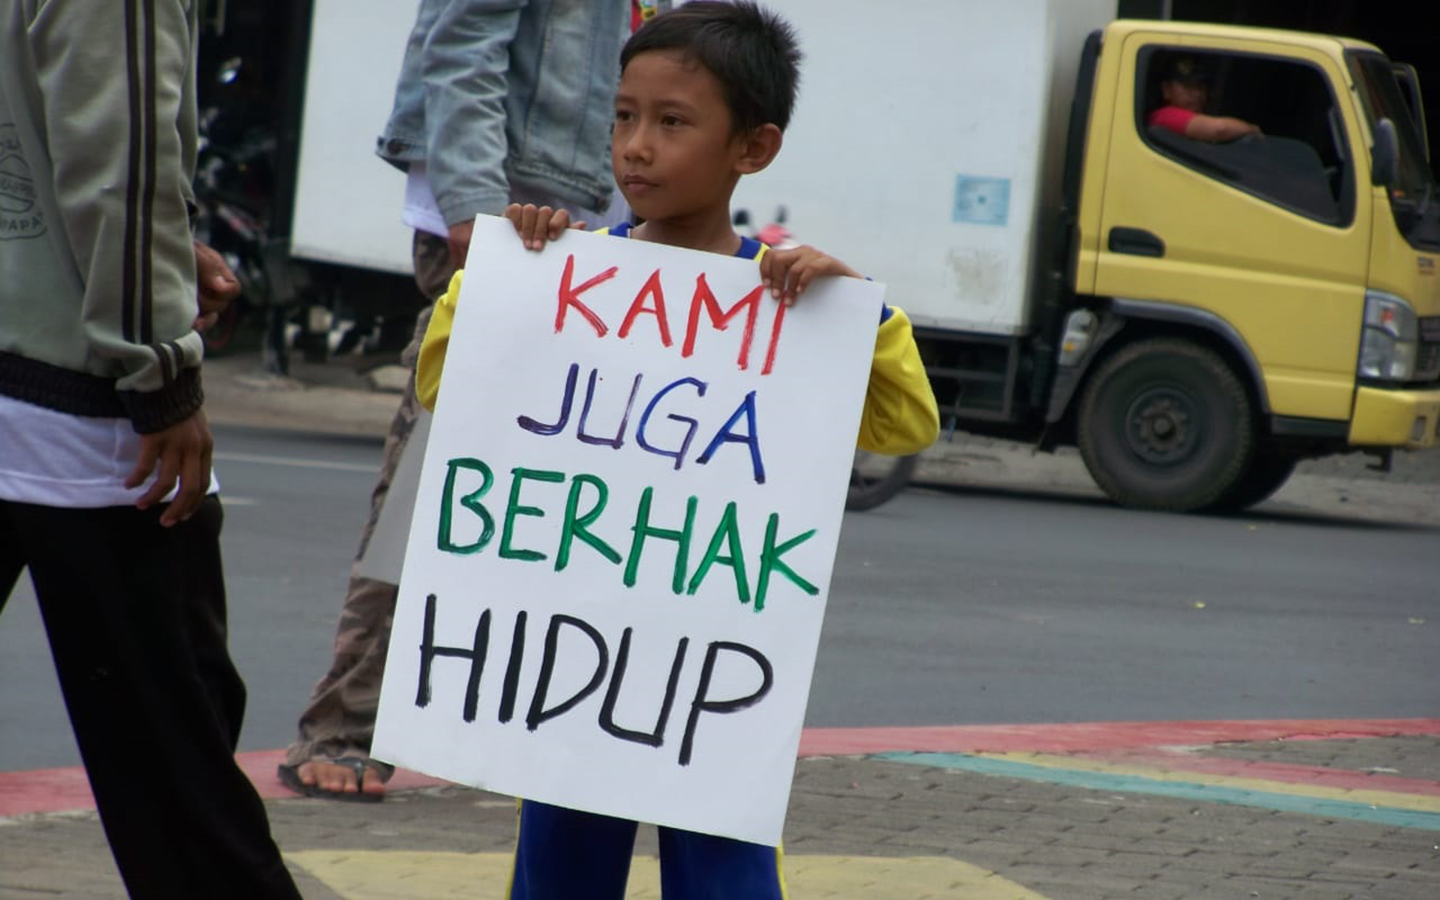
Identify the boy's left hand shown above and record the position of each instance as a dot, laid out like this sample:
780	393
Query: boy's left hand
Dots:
788	272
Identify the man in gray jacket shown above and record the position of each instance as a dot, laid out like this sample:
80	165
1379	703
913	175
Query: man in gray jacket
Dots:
105	485
498	101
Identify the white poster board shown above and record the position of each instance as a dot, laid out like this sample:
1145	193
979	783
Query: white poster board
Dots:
612	601
384	555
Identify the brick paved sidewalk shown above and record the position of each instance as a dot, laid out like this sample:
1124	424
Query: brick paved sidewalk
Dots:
1095	822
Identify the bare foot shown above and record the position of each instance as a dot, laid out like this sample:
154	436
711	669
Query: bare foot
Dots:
341	778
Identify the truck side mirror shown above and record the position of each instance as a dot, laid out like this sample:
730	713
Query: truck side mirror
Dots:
1384	154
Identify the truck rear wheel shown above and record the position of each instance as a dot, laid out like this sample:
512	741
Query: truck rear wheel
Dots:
1166	424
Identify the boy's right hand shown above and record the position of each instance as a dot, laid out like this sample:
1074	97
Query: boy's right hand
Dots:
538	224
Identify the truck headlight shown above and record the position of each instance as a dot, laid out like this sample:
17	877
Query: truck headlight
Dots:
1390	340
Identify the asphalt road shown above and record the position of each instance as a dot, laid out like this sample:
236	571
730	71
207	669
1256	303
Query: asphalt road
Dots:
964	606
977	606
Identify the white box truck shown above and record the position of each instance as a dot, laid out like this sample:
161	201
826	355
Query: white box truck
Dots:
1195	317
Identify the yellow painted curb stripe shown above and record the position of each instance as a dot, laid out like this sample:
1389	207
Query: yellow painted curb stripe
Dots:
388	874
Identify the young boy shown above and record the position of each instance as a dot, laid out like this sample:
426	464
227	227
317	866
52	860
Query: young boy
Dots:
705	94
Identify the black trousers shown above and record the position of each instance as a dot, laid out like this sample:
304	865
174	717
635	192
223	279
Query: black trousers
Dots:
136	618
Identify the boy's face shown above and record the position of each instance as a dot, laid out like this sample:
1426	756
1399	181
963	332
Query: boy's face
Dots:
673	150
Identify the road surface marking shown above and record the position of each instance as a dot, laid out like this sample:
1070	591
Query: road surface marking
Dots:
296	462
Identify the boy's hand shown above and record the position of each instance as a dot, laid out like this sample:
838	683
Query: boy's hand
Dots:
538	224
788	272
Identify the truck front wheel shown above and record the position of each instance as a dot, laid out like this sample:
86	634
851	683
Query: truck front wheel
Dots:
1268	472
874	479
1166	424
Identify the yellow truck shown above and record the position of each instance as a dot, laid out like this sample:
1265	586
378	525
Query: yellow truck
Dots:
1196	316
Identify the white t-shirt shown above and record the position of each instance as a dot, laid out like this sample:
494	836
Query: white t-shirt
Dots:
422	213
50	458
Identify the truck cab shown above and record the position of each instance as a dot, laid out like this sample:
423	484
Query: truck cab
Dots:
1234	307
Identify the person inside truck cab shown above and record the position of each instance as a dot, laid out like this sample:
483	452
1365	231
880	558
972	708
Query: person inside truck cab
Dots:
1185	91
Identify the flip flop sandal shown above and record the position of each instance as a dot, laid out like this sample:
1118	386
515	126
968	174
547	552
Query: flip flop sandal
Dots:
290	777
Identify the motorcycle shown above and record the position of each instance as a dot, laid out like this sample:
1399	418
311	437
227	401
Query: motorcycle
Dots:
233	185
874	478
305	306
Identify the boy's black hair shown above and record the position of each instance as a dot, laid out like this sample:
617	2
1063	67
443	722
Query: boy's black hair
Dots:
752	52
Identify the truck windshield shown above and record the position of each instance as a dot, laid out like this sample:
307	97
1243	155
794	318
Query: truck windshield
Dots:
1413	192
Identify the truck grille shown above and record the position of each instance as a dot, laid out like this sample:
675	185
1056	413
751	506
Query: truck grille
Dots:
1427	362
1427	359
1430	329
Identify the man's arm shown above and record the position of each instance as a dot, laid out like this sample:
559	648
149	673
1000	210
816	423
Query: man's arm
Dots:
120	129
112	80
464	67
1216	129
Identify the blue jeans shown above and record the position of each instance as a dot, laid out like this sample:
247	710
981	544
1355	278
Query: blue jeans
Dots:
564	853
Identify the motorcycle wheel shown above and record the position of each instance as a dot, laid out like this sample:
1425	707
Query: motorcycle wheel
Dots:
874	479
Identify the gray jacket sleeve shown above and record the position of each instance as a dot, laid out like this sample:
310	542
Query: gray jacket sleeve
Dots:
465	63
116	82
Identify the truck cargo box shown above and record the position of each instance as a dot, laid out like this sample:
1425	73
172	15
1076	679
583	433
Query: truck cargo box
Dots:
927	144
347	200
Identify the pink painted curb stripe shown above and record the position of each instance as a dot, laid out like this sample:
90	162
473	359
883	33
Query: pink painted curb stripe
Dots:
61	790
58	790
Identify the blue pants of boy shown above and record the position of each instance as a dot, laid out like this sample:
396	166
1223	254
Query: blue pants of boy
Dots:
563	854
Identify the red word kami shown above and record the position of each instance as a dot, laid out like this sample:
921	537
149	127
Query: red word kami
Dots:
650	300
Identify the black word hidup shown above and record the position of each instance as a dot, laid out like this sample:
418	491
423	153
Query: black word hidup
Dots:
544	708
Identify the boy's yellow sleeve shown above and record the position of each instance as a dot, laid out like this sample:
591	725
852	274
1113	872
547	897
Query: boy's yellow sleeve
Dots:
900	415
434	345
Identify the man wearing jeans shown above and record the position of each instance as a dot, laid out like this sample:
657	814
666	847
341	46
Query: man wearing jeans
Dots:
498	101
